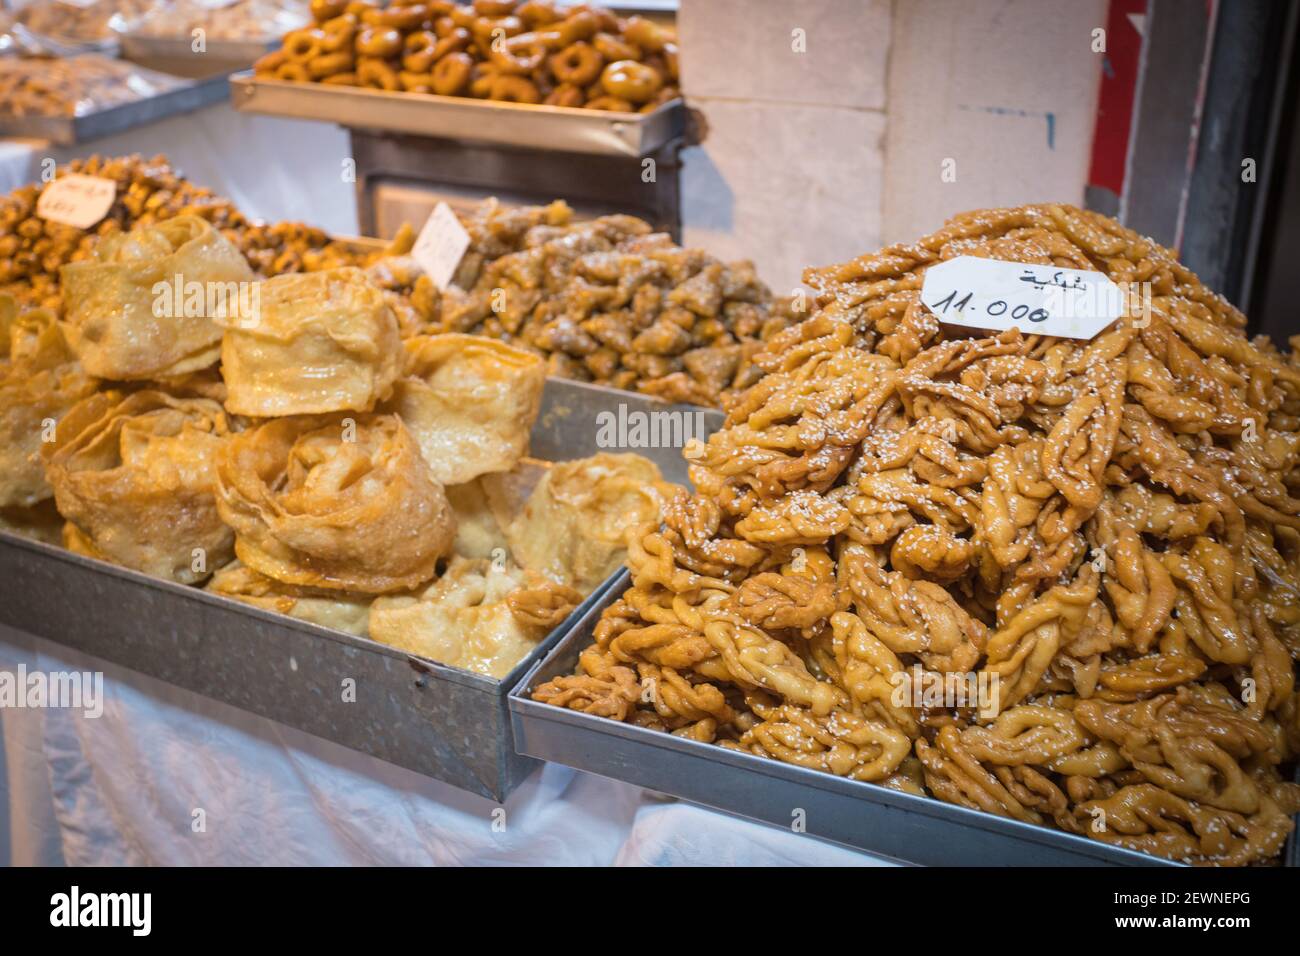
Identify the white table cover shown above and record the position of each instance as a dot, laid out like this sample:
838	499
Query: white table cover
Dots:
123	788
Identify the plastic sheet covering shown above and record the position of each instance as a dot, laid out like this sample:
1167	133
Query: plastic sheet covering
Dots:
124	788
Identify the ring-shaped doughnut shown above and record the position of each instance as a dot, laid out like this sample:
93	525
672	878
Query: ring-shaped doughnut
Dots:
452	74
519	55
303	45
612	104
377	74
579	63
381	42
631	81
327	64
514	89
566	94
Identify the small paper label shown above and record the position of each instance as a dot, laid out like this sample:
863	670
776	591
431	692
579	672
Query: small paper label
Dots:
77	200
1037	299
441	245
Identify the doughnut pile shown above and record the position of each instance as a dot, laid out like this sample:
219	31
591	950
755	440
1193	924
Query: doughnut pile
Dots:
1097	541
504	50
609	301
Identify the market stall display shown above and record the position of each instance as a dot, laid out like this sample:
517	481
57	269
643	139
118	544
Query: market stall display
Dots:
307	473
1101	533
609	301
529	53
242	20
40	86
69	25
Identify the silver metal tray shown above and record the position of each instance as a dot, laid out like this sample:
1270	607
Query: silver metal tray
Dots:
70	130
464	118
175	54
438	720
863	816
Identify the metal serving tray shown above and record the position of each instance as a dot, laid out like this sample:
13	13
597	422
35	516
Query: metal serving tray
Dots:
176	55
70	130
863	816
438	720
459	117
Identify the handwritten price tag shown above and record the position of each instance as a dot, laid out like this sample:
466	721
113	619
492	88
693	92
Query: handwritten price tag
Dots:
77	200
1037	299
441	245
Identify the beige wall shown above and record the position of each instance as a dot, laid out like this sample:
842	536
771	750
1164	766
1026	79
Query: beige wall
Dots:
819	156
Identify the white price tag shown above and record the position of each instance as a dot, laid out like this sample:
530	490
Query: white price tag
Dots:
441	245
77	200
1037	299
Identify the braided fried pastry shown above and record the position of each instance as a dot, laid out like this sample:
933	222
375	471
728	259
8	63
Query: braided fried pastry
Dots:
1101	537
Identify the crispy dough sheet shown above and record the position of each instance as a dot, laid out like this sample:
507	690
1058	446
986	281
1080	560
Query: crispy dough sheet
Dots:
470	402
335	609
135	477
334	501
120	320
323	342
40	380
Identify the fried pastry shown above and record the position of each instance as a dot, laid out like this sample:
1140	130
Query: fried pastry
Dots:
573	527
322	342
1049	579
335	502
40	379
470	403
135	477
338	610
145	306
481	615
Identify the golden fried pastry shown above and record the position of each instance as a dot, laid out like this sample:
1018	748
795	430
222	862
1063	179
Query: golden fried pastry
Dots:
599	60
337	502
573	527
470	403
135	477
607	300
40	380
337	610
146	305
481	615
1050	579
322	342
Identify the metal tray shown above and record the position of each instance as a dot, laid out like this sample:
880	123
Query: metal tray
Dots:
70	130
438	720
459	117
859	815
175	54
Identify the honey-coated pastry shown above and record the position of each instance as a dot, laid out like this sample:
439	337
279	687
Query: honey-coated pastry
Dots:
147	304
336	610
321	342
135	477
337	502
1050	579
609	301
574	525
481	615
40	379
470	403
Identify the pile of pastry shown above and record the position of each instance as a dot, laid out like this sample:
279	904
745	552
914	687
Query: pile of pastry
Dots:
504	50
1052	579
33	249
606	301
281	442
610	301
